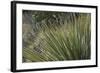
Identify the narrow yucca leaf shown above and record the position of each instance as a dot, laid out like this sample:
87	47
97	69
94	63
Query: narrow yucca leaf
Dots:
34	55
54	47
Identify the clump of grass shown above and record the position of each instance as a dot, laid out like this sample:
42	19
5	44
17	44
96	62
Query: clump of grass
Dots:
68	42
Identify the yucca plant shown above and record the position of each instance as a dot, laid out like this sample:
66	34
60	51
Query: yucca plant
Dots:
71	41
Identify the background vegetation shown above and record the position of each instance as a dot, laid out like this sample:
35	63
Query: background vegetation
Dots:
56	36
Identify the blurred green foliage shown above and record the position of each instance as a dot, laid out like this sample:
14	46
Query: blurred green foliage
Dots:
58	36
